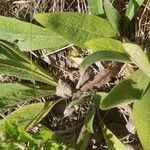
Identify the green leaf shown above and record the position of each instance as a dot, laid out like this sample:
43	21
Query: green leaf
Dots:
78	102
13	93
83	139
141	118
42	114
89	119
106	49
14	63
76	27
87	129
111	140
105	55
103	43
23	115
15	132
96	7
132	8
24	71
127	91
138	57
112	15
28	36
8	51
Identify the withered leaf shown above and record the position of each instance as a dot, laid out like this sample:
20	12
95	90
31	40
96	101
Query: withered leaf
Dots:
85	75
63	89
102	77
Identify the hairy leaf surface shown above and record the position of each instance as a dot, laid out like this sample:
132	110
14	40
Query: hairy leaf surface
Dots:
28	36
13	93
96	7
76	27
112	15
23	115
105	49
24	71
141	118
127	91
138	57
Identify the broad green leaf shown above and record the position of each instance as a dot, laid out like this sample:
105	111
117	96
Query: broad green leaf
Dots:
138	57
28	36
106	49
24	71
103	43
96	7
141	118
105	55
23	115
76	27
111	140
127	91
112	15
99	95
132	8
13	93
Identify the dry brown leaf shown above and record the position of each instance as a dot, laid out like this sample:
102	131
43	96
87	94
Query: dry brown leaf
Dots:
126	70
100	79
85	75
63	89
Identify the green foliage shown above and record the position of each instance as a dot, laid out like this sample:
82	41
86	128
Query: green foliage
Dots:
141	113
106	49
87	129
76	27
24	115
112	15
127	91
16	137
89	119
96	7
113	143
48	107
138	57
15	63
14	93
132	8
28	36
103	43
104	56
